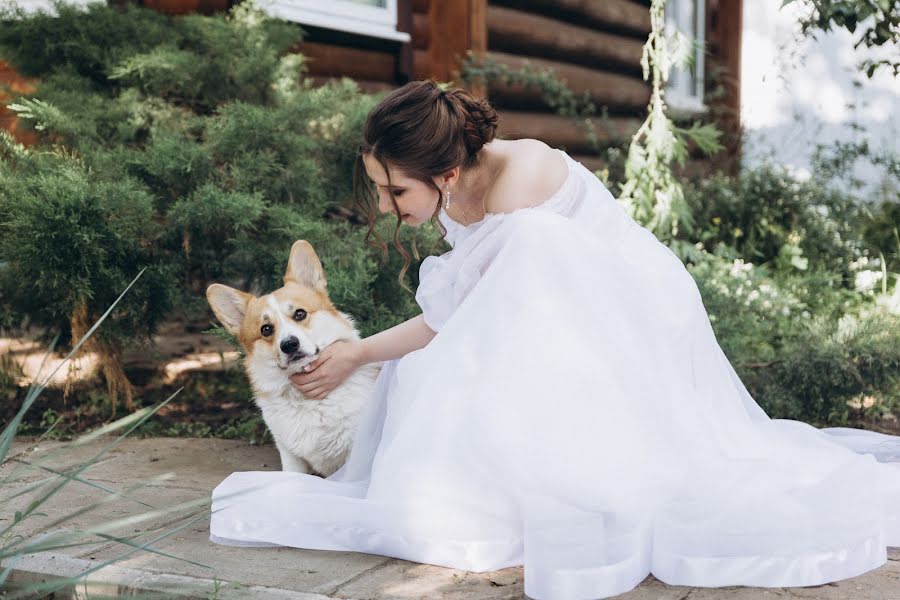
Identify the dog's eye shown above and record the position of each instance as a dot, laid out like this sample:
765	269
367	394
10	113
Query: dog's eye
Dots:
266	330
299	314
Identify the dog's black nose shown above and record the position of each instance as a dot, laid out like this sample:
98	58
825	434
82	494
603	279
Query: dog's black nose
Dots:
290	345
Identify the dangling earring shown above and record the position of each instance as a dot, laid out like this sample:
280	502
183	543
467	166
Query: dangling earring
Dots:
447	201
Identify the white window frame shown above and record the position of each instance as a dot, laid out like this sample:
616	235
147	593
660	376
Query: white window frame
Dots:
679	95
342	15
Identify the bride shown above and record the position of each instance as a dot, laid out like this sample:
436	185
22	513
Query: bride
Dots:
562	402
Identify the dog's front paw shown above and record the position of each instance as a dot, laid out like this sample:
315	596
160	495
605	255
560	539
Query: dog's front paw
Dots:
293	464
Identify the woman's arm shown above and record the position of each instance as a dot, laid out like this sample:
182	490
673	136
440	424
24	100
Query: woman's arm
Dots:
338	360
395	342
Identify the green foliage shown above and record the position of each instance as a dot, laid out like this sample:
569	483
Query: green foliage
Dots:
769	217
77	238
879	21
86	41
820	374
195	61
805	347
193	144
651	194
804	313
554	91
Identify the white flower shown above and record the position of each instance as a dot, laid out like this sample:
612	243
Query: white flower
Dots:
890	302
785	310
866	280
753	295
846	328
859	263
739	266
805	314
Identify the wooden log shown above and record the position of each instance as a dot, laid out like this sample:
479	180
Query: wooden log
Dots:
421	33
403	67
329	59
181	7
421	64
519	32
13	85
456	29
724	26
368	87
565	132
610	15
619	93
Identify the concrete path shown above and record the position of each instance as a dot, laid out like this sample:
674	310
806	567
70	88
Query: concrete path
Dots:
195	467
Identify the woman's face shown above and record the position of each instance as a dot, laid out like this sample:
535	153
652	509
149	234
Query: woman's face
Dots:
415	199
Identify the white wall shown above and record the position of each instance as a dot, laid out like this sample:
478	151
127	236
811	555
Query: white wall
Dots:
796	92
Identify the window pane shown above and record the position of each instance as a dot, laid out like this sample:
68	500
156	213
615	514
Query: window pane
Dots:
378	3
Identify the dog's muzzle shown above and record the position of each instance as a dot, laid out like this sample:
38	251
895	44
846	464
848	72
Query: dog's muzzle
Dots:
290	347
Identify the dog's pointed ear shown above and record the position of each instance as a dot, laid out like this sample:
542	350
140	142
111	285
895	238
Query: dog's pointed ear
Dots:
229	304
304	266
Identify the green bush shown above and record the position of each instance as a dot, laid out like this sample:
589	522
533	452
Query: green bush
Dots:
769	217
192	145
804	349
810	321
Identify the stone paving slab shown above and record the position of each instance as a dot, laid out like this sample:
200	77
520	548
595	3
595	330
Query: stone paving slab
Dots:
195	466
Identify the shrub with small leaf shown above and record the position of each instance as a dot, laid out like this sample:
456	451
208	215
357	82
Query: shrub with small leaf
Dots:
193	145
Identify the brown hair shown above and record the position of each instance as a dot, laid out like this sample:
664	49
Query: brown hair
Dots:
422	130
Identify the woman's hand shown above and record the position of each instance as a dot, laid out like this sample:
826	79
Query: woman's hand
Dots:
335	363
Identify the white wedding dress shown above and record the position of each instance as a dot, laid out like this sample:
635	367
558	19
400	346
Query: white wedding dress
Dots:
575	414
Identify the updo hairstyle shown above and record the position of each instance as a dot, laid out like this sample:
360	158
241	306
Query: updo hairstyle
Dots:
423	131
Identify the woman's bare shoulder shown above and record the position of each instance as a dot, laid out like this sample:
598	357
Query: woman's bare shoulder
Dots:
533	173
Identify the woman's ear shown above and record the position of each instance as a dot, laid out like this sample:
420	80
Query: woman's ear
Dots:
448	178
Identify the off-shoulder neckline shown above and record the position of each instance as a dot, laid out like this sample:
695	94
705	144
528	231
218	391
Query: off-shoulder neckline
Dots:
489	215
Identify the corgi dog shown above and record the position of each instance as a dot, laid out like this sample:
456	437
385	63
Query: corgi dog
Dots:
280	333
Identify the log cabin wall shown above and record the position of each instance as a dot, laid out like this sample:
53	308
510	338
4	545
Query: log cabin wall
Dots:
595	45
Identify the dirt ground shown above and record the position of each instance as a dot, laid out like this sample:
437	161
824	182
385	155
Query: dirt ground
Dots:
215	399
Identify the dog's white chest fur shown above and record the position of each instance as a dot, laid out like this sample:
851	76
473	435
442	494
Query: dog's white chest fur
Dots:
312	436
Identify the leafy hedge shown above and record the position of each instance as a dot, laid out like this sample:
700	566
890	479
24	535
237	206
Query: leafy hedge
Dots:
799	293
193	146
